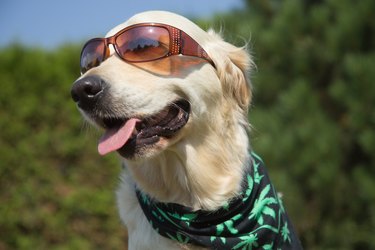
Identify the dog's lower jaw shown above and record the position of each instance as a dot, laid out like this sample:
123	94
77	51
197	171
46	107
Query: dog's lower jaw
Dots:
195	173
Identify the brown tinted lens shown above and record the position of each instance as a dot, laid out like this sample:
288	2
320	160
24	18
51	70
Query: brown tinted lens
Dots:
144	43
92	54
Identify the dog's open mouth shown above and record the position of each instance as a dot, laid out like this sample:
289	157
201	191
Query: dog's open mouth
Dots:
125	135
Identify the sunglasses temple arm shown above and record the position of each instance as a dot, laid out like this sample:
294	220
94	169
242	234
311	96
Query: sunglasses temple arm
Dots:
190	47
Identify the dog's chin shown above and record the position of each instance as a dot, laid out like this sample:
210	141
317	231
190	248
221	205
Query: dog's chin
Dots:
153	133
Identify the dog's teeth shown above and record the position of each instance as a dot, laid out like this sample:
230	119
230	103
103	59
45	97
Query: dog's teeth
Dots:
135	132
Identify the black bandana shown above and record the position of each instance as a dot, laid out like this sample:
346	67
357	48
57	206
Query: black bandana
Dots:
254	220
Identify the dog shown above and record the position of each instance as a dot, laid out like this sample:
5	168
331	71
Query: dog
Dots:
173	101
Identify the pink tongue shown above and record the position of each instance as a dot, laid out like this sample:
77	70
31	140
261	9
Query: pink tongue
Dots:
114	139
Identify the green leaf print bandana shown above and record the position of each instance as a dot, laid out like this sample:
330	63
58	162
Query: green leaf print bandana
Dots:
256	219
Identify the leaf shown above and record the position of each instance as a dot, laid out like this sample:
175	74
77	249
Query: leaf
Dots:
285	232
188	217
265	192
229	225
268	246
247	242
261	206
165	216
269	211
223	239
219	228
249	188
257	177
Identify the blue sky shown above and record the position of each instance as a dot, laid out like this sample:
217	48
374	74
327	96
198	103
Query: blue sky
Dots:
49	23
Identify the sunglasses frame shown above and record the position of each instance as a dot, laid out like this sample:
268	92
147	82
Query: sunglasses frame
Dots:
180	43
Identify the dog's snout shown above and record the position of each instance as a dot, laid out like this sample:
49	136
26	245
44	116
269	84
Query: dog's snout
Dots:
86	91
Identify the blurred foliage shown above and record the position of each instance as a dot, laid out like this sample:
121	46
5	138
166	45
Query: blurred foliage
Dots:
313	112
56	193
313	123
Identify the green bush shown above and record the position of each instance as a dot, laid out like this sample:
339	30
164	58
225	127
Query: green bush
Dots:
313	123
56	193
313	112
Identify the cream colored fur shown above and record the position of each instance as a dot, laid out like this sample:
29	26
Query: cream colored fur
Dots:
202	167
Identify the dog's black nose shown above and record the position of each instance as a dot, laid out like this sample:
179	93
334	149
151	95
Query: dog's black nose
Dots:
86	91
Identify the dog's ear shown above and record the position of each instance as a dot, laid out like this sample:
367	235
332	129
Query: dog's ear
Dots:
233	65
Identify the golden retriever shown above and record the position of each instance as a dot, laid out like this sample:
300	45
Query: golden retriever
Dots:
179	122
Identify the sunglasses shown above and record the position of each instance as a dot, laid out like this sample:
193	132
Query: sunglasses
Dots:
141	43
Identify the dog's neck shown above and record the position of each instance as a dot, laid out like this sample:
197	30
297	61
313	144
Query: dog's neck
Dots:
203	171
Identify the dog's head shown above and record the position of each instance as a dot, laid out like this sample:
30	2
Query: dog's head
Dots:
149	106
